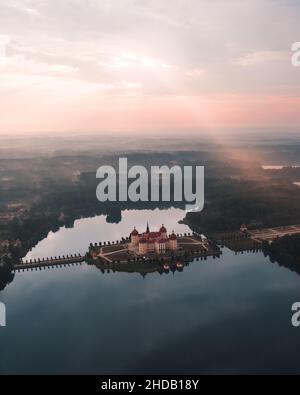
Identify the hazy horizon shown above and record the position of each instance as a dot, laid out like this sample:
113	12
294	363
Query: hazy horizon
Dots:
142	133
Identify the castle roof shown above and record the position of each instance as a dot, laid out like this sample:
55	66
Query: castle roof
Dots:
152	235
134	232
173	236
163	229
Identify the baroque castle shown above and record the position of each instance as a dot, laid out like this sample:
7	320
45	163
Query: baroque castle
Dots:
158	242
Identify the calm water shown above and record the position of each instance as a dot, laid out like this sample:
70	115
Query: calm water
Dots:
228	315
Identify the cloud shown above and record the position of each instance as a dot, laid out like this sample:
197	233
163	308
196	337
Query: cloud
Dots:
16	62
196	72
147	49
261	57
124	60
21	7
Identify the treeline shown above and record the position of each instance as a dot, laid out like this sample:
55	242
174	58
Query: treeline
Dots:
285	251
230	203
287	247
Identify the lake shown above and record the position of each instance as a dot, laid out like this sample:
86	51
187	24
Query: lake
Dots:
227	315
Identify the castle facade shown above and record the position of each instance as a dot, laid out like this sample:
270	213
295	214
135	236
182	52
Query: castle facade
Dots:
158	242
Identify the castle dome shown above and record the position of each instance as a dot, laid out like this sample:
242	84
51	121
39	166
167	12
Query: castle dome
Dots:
173	236
134	232
163	229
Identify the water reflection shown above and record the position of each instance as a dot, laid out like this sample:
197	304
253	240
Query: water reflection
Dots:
6	277
92	230
214	317
227	315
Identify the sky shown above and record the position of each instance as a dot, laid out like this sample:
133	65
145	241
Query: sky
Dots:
146	65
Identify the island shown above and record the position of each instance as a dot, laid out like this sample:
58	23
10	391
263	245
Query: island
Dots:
152	247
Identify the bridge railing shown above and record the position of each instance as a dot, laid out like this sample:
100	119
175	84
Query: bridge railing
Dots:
51	261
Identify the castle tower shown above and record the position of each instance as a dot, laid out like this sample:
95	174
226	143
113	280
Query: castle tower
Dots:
143	246
163	232
134	237
173	242
147	229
